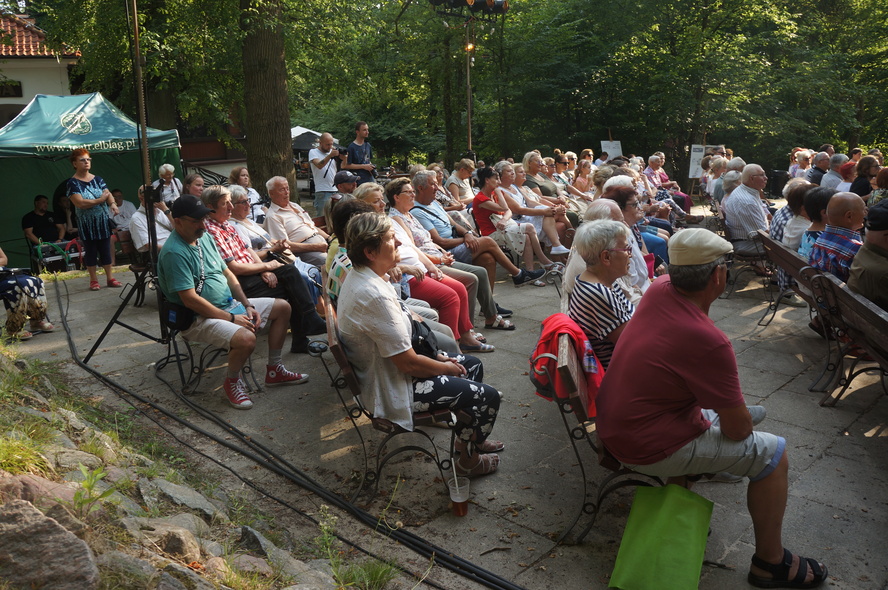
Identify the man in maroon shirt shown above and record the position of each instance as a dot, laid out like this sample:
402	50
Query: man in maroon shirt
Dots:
673	417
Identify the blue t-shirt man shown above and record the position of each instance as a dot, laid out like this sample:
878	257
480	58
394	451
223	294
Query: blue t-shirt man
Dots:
359	153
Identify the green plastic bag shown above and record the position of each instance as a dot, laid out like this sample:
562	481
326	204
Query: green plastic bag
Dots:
664	540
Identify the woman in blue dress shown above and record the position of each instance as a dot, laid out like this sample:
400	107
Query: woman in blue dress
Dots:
93	201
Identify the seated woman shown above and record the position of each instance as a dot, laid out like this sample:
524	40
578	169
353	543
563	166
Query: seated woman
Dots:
401	197
395	380
867	170
447	295
419	310
255	236
627	200
24	298
193	185
597	302
548	221
494	219
459	185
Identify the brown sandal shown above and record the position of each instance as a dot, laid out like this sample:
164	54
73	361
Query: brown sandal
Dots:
486	465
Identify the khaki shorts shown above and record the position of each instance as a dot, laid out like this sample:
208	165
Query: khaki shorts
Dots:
219	333
755	457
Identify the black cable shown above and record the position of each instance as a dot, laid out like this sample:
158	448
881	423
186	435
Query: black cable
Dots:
282	467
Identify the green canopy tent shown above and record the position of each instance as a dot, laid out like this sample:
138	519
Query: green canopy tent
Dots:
35	146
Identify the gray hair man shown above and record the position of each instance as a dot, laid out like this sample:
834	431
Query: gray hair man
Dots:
745	210
832	178
819	167
288	221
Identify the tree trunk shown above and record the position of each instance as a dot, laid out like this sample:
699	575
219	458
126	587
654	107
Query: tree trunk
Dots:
267	116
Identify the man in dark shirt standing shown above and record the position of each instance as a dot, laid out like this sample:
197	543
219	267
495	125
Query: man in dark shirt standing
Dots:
359	154
40	225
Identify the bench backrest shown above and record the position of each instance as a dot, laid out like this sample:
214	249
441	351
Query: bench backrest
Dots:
862	320
791	263
573	378
335	346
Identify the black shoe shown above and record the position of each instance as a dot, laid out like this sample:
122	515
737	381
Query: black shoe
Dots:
312	323
527	276
299	345
506	313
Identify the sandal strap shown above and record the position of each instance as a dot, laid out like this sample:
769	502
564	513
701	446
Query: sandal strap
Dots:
778	570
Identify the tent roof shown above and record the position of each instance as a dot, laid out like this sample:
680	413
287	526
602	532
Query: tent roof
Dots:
304	139
52	126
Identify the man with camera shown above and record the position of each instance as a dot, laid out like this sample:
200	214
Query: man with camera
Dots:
323	169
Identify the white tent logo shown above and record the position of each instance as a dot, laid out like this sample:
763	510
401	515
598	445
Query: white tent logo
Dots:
76	123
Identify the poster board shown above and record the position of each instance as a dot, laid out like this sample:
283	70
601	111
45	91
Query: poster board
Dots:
613	149
697	153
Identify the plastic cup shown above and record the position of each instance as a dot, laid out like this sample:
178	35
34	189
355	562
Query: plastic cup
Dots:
459	495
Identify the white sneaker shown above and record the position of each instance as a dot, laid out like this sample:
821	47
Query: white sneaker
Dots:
559	251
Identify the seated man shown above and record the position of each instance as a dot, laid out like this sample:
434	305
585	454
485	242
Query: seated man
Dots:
466	247
288	221
40	225
138	225
838	243
745	211
191	273
258	278
696	420
125	210
869	270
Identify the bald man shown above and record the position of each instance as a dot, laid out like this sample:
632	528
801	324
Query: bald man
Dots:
323	169
835	249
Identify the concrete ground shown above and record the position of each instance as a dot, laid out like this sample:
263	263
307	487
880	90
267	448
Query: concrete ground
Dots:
838	471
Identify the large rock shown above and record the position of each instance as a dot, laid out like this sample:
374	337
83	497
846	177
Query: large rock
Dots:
127	566
68	459
37	552
185	496
187	577
251	565
180	543
37	490
254	540
64	517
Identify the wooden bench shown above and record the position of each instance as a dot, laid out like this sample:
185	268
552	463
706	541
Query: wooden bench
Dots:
861	331
746	263
345	382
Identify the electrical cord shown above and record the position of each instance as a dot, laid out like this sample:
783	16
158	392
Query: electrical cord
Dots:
266	458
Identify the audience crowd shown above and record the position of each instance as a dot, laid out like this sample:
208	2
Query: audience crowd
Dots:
411	263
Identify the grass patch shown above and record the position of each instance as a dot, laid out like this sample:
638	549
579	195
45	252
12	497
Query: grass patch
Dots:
366	575
22	456
115	580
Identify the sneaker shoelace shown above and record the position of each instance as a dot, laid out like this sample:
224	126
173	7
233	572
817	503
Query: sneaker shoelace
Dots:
279	372
237	393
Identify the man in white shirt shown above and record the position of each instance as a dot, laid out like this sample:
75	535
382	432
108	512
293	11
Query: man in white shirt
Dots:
125	209
745	211
163	224
323	169
288	221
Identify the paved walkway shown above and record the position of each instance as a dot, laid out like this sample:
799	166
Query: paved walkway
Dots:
838	472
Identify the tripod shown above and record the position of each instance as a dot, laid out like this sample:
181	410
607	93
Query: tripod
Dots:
150	198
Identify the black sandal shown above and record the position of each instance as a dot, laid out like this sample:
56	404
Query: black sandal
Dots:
780	573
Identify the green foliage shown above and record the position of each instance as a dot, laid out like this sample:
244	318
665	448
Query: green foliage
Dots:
89	497
759	75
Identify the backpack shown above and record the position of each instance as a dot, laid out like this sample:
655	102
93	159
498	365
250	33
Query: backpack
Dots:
544	361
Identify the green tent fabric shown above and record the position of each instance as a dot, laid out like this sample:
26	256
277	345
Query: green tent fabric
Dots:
34	150
55	125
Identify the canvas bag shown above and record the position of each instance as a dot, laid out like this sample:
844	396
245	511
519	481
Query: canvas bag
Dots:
664	540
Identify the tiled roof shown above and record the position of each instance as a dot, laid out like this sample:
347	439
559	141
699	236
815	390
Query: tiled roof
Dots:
26	38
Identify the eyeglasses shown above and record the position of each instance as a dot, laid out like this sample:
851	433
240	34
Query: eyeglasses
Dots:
627	250
636	204
241	202
85	160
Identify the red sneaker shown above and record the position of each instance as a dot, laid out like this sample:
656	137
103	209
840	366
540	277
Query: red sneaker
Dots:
237	394
278	375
